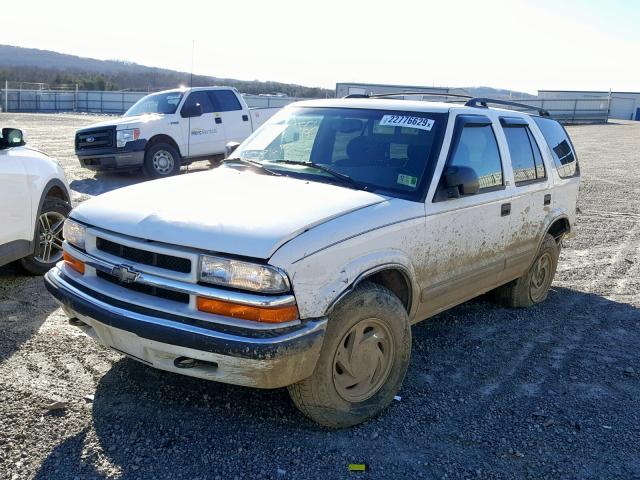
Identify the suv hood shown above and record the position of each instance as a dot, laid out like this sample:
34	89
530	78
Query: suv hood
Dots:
223	210
126	121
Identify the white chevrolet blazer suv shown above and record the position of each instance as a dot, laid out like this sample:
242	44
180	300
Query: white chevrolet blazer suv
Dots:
34	202
305	258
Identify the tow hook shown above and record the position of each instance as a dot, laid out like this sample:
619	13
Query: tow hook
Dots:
186	362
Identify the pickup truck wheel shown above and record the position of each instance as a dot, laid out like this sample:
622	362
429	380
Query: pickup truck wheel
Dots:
48	240
161	160
363	361
533	286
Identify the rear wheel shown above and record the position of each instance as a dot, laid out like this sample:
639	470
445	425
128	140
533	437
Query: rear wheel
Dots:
533	286
161	160
48	250
363	361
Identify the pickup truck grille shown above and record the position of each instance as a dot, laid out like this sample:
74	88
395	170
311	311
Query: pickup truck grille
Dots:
146	289
160	260
98	138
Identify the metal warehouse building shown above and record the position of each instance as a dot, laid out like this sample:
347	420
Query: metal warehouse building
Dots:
622	105
344	89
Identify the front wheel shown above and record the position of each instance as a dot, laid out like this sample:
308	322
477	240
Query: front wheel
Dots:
161	160
48	250
363	361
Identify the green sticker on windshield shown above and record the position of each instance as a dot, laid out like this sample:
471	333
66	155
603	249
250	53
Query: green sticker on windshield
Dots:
407	180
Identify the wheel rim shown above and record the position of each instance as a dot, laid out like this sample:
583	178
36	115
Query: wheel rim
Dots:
363	360
541	277
163	162
49	237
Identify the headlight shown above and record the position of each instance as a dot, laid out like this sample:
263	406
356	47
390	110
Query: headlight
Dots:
243	275
74	233
124	136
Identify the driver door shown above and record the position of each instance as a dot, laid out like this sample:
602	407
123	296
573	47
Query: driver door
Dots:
465	235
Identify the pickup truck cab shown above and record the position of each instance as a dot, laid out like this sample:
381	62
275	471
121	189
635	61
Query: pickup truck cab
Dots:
34	202
306	257
165	130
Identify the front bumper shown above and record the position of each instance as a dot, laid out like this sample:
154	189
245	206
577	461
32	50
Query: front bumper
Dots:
111	158
251	358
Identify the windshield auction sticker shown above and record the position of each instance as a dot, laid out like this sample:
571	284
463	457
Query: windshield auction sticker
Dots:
406	121
407	180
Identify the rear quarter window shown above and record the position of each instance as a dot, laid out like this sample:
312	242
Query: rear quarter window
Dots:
564	155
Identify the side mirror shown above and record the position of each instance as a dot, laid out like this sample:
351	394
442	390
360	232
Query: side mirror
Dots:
230	148
193	110
461	181
12	137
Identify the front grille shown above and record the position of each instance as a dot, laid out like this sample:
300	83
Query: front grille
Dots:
146	289
160	260
98	138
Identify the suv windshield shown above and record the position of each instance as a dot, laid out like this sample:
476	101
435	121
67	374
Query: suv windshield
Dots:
382	150
163	103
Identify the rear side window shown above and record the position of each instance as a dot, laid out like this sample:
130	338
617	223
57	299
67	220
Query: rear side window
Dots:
198	98
525	155
477	148
224	100
560	145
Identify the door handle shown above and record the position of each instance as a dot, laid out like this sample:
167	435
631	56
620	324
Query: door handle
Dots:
218	120
245	118
505	209
547	199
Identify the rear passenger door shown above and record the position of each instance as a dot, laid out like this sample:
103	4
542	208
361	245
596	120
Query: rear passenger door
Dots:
465	233
230	114
531	199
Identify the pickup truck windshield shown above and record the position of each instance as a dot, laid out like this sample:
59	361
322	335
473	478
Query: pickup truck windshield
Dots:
388	151
163	103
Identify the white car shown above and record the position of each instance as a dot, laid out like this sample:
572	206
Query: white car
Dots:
167	129
34	202
304	259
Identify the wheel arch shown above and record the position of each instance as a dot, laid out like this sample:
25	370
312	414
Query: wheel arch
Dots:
393	276
162	138
56	189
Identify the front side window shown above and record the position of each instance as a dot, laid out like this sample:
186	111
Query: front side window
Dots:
562	151
160	103
392	152
525	155
198	98
477	148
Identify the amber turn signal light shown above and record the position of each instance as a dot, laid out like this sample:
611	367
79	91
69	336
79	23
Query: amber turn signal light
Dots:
248	312
73	262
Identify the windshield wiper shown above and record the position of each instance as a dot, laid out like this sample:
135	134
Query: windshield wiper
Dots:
343	177
252	163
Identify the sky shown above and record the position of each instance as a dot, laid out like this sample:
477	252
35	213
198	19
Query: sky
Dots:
522	45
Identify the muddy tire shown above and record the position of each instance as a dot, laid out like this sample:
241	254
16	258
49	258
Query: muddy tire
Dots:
161	160
48	237
533	286
363	361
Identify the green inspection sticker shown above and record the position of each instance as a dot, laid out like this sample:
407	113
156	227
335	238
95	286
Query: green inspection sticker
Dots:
358	467
407	180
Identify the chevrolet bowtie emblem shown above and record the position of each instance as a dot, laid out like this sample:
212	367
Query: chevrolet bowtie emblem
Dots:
125	273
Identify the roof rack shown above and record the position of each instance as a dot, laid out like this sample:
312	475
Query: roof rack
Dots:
396	94
482	102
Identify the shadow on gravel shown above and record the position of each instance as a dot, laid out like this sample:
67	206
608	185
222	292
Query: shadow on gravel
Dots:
24	306
105	182
544	392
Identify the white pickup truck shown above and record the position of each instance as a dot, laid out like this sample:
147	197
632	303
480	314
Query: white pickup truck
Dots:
306	257
165	130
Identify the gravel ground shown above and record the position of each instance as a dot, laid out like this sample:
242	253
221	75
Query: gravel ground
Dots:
548	392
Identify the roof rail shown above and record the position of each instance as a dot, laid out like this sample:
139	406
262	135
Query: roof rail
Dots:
395	94
482	102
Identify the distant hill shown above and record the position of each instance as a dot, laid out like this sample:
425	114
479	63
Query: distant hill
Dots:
19	64
498	93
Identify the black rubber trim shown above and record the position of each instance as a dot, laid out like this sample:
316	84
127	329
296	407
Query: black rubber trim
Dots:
176	336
